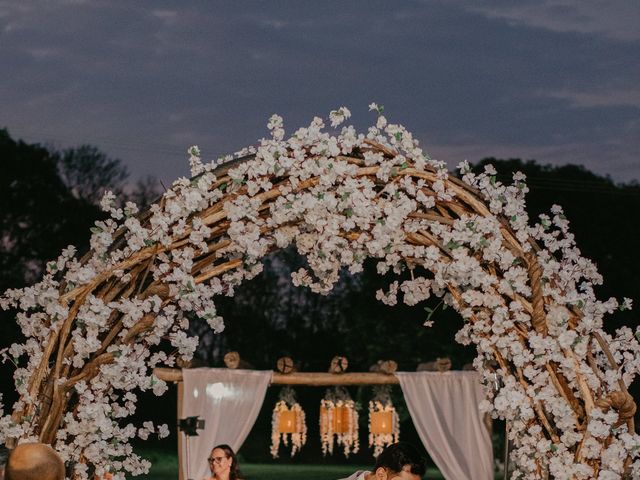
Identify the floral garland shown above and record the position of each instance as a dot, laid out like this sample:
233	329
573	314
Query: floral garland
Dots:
381	410
93	325
339	422
296	425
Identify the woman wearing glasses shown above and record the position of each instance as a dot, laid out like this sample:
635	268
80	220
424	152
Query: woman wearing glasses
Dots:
223	464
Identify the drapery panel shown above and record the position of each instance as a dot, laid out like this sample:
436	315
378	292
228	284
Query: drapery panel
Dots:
229	402
444	410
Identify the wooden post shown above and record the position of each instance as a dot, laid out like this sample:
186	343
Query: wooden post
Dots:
384	366
233	360
180	460
285	365
437	365
339	365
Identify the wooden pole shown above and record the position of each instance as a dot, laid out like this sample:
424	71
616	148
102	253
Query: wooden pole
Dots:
285	365
317	379
233	360
180	394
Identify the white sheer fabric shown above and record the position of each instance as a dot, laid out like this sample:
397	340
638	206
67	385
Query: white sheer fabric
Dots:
229	401
444	410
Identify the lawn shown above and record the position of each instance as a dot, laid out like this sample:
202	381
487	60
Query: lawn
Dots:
165	467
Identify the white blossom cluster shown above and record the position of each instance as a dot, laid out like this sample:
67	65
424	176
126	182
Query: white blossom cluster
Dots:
340	197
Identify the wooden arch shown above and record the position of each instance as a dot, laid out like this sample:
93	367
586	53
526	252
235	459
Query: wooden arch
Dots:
439	204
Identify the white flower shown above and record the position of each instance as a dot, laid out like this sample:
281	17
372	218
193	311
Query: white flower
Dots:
627	304
163	431
339	116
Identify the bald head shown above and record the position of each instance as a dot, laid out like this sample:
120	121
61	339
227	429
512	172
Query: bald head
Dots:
34	461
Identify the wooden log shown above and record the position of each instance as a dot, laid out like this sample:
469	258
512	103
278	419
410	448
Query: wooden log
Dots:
232	360
384	366
338	365
437	365
180	396
285	365
184	363
313	379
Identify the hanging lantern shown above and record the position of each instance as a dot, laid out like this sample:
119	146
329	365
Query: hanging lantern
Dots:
339	422
325	428
384	425
288	422
381	422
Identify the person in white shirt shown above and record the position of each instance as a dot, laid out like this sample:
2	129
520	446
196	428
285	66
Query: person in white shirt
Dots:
399	461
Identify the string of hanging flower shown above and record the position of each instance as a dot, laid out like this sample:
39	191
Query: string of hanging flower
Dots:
339	422
288	423
384	424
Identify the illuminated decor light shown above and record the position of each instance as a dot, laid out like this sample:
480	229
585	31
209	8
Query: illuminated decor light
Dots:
288	422
339	422
384	425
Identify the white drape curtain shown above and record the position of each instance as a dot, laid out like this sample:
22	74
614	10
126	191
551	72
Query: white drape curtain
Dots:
229	402
444	410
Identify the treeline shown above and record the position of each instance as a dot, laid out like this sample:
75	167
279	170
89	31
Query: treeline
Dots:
49	199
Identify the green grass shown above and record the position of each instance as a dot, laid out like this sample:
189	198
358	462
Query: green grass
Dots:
165	467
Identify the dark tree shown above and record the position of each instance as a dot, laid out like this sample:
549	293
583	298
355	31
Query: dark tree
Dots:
48	200
88	173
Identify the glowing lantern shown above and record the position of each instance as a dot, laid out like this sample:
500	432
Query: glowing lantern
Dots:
288	422
324	420
381	423
339	423
384	425
341	419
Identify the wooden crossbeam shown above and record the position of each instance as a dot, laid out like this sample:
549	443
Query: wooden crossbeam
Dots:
315	379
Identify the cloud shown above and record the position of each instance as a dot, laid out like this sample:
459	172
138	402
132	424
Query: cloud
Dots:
617	20
146	79
598	98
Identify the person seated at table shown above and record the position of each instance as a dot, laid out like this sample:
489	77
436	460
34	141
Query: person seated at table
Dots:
34	461
223	464
399	461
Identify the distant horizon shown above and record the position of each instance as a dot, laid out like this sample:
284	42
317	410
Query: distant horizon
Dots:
583	186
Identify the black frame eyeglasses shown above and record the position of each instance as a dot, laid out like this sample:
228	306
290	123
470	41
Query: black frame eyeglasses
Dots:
216	459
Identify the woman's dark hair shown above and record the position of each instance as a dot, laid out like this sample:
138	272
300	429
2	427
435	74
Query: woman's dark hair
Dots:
398	455
234	471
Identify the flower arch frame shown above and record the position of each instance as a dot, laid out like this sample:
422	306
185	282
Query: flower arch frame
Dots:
93	324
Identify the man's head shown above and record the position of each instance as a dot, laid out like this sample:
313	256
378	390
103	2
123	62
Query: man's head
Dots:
34	461
400	461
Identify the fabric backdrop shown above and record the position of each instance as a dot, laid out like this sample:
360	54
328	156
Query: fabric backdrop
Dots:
444	410
229	402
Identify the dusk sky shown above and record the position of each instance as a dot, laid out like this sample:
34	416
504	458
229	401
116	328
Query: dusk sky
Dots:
558	81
